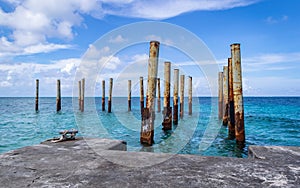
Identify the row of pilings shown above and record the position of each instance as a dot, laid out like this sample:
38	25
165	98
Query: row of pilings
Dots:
231	106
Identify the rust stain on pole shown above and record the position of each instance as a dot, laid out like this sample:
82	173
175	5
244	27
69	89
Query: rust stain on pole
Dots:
82	94
110	95
238	94
142	94
220	95
167	122
148	117
103	95
182	77
58	97
190	95
37	95
225	95
231	126
175	96
129	95
79	94
158	95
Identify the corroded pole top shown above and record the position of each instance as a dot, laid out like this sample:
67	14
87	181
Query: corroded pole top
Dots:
235	46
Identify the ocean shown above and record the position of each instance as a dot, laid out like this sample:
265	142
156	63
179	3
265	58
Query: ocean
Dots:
268	121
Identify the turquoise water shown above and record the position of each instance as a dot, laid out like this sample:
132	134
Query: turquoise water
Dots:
268	121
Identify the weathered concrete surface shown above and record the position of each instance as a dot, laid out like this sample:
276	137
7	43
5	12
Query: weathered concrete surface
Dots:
75	164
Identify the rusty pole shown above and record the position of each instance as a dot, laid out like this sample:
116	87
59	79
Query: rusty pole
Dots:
220	95
58	97
238	94
167	122
190	95
141	94
175	96
225	95
231	126
129	95
103	95
37	95
158	95
182	77
79	94
82	94
148	117
110	95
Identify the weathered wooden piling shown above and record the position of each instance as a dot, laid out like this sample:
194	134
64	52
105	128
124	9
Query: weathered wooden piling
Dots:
190	92
110	95
158	95
238	94
148	117
103	95
82	95
58	97
79	95
175	96
37	95
220	95
167	122
225	95
182	77
142	94
129	95
231	126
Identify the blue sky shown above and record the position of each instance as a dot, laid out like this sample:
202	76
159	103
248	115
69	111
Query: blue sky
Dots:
46	40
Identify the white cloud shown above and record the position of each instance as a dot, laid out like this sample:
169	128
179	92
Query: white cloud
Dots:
34	22
118	39
272	20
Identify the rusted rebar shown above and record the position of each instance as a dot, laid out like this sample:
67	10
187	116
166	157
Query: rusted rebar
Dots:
175	96
58	97
190	92
158	96
238	94
110	95
220	95
37	95
142	94
182	77
148	117
167	121
225	95
231	126
103	95
129	95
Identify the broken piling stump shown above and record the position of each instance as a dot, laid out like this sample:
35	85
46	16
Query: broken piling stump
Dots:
37	95
110	95
225	95
182	77
231	126
103	95
175	96
167	121
58	97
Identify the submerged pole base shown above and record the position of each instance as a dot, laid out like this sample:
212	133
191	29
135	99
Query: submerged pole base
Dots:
109	107
147	132
167	122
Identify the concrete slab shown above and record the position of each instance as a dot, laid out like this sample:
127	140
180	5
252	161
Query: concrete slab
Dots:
78	164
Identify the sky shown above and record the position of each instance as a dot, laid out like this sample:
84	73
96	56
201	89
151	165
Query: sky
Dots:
51	39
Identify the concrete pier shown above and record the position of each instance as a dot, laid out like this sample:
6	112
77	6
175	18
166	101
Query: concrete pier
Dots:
175	96
220	94
58	97
37	95
231	126
129	95
79	95
110	95
142	94
167	121
148	116
76	164
82	94
238	94
190	96
158	96
225	95
103	95
181	111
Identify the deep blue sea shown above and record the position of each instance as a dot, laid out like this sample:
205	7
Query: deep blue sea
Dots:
268	121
